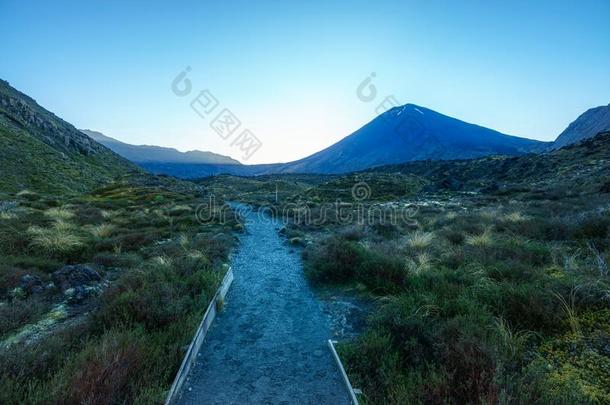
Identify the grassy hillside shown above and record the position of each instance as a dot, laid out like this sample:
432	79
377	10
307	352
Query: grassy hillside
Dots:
105	271
41	152
100	292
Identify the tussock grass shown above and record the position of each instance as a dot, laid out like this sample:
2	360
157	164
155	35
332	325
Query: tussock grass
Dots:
184	242
160	283
57	239
512	342
102	231
108	214
515	217
59	213
569	309
420	239
483	240
162	261
421	263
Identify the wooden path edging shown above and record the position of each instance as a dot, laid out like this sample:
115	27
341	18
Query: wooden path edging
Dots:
351	391
202	330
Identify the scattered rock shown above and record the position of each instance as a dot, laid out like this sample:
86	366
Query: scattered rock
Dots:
79	294
73	276
31	284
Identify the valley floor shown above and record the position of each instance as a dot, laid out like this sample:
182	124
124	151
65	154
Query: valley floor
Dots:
491	276
490	281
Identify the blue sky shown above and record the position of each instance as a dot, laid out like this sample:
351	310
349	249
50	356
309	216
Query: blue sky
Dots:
289	70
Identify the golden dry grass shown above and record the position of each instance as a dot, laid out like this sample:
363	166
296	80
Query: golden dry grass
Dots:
57	239
102	231
483	240
59	213
420	239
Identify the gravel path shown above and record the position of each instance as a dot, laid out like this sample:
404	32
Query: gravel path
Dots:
268	345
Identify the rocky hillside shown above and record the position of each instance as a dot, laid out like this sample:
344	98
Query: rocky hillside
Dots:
584	166
39	151
589	124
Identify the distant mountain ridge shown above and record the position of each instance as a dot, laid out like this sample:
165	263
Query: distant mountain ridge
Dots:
41	152
159	154
410	133
587	125
402	134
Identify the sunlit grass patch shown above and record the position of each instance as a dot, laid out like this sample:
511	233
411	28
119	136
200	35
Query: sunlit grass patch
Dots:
420	239
483	240
59	213
60	238
515	217
27	194
421	263
183	242
162	261
102	230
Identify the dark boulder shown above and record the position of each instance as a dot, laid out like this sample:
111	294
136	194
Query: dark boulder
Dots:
75	276
80	294
31	284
